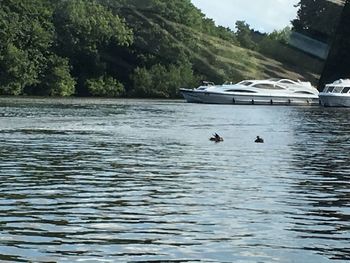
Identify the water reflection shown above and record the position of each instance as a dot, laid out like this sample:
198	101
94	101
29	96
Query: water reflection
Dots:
139	181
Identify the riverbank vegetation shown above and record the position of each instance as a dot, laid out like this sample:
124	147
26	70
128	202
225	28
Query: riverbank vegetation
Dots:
133	48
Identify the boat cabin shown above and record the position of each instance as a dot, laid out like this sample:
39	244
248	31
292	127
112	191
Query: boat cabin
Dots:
340	86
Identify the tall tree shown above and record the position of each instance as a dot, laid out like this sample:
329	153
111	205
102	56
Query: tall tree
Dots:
337	65
84	29
244	35
26	35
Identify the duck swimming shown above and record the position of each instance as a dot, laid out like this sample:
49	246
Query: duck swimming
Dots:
259	139
216	138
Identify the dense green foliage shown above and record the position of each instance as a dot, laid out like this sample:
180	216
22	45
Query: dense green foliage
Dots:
105	87
244	35
162	82
57	80
113	48
51	48
26	35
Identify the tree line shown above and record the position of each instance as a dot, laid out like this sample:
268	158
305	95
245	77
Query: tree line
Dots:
116	48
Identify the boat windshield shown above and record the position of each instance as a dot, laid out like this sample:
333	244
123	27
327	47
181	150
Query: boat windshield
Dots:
337	89
267	86
346	90
246	83
208	83
329	89
286	81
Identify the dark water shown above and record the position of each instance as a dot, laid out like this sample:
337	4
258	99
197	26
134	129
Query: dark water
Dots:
139	181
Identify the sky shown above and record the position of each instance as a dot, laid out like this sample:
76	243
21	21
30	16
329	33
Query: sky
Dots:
262	15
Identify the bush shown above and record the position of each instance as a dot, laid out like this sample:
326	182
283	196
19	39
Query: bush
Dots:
105	86
161	81
58	81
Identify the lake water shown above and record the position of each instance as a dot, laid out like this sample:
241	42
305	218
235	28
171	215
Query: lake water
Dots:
86	180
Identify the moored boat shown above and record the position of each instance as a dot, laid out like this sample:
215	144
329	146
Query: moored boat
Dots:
336	94
259	92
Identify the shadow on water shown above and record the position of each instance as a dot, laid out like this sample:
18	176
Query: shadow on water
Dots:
321	154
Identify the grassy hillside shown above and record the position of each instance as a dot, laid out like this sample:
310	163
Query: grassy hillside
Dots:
222	60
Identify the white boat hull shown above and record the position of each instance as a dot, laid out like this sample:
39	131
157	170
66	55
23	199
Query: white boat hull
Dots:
334	99
193	96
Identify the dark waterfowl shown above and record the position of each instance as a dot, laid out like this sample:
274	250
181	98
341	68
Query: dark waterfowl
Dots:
259	139
216	138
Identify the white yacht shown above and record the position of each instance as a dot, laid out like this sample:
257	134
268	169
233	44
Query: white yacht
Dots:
336	94
268	92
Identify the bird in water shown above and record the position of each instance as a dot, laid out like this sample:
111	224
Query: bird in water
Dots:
216	138
259	139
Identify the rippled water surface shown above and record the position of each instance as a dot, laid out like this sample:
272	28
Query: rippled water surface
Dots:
138	181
